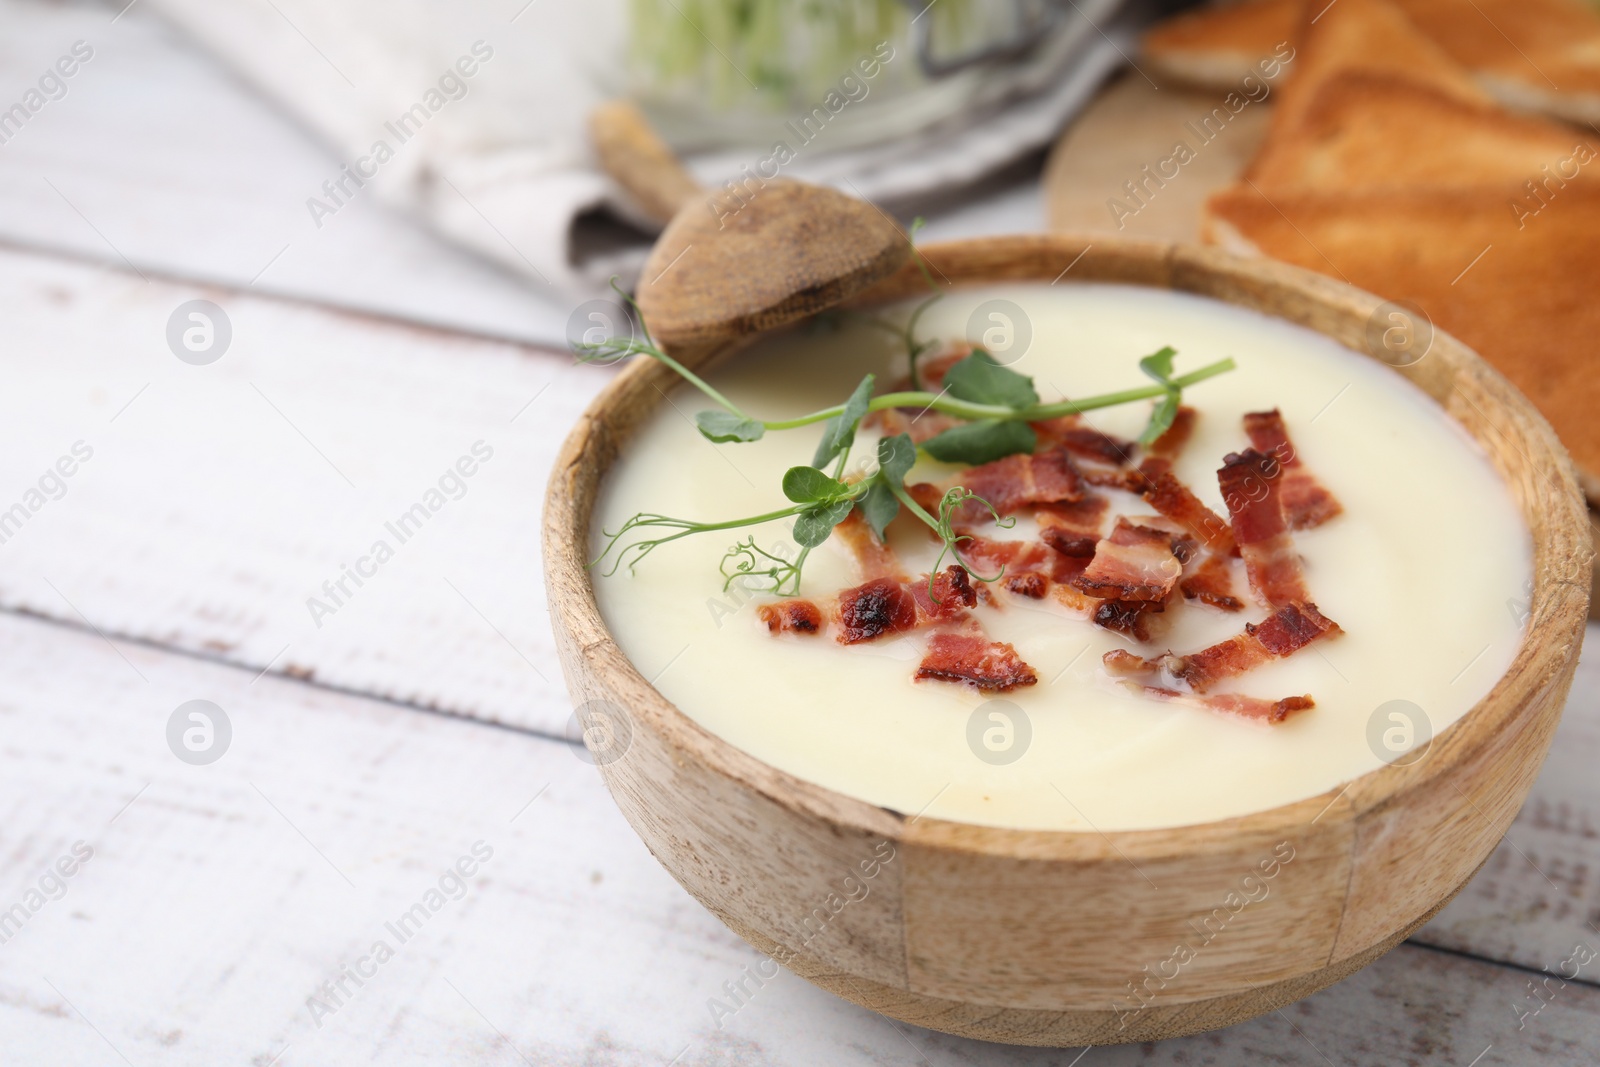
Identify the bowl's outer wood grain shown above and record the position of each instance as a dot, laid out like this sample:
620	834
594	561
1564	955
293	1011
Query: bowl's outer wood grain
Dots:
1045	938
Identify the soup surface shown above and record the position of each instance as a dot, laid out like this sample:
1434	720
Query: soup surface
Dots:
1426	572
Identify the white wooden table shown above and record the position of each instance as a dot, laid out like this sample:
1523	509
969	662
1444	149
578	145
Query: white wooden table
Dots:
222	904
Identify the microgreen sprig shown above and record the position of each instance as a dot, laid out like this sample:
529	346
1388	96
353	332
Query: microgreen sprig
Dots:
987	410
996	405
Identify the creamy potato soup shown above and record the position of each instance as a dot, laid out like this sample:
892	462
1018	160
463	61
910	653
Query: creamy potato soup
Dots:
1421	576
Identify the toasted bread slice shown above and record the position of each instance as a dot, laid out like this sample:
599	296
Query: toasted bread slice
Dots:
1370	129
1539	55
1218	47
1516	288
1534	55
1365	36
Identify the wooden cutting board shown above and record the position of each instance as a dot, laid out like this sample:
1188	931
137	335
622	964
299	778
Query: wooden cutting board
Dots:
1128	135
1115	170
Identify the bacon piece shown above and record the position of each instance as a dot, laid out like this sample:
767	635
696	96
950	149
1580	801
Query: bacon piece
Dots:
952	594
987	557
1305	502
920	424
927	496
1165	450
1015	481
1123	617
889	606
1069	542
1270	712
1284	633
876	559
872	609
1074	528
1100	458
933	365
1085	441
1249	482
1164	492
1032	586
1211	583
1074	599
1135	563
794	616
969	656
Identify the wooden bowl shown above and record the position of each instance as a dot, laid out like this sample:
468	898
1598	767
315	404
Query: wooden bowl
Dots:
1040	938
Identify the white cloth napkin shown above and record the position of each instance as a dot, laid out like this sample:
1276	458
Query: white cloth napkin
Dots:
479	108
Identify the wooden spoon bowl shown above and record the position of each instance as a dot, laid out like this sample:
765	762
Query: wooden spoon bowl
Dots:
1067	938
762	252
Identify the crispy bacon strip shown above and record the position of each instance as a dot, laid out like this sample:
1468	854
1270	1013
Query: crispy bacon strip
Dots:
1014	482
1210	582
987	557
1135	563
874	608
876	559
795	616
1084	441
1249	482
1305	502
1075	599
1164	492
921	425
1126	617
1101	459
932	366
1284	633
889	606
969	656
1271	712
1032	586
1073	529
952	594
1165	450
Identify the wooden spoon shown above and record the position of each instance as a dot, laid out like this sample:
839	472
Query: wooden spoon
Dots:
733	262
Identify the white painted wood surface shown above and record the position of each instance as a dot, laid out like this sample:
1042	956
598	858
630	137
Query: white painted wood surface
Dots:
219	498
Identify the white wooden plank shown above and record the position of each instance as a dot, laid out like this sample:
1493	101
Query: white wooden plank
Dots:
216	903
1539	894
157	157
219	499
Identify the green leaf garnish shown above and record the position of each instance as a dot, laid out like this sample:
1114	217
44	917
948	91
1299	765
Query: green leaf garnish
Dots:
815	524
984	441
896	456
746	559
723	426
807	485
981	380
879	507
839	432
1158	367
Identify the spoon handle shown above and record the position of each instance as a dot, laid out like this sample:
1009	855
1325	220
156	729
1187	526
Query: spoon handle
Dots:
637	158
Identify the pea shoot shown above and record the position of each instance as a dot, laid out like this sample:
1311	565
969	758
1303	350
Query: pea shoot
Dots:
996	405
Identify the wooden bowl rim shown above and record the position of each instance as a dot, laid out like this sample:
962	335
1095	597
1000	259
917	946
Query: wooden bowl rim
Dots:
1558	604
